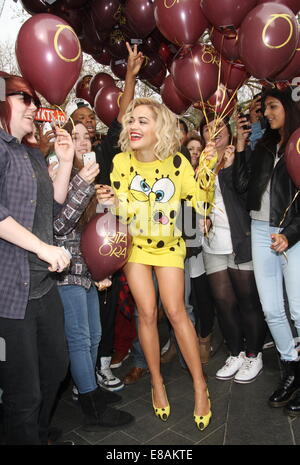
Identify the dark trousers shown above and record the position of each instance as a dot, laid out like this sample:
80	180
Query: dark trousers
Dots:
36	363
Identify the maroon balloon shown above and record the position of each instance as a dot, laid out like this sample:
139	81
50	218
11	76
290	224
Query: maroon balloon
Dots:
164	52
35	6
119	67
292	157
292	69
158	80
103	56
233	75
182	22
82	88
268	38
150	46
226	14
116	44
140	15
228	47
294	5
106	13
107	104
219	101
105	245
196	73
98	81
151	67
74	3
93	38
49	56
172	97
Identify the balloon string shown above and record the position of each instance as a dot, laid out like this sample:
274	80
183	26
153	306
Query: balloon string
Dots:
70	118
286	211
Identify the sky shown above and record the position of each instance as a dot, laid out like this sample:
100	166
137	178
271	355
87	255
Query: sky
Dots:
9	24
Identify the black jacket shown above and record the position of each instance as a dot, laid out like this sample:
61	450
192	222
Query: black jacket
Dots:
252	172
238	217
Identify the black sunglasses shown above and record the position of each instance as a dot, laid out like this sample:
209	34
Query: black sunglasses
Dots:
28	99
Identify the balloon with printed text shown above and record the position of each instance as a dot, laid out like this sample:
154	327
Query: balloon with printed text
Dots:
268	38
49	56
181	22
105	245
195	74
82	88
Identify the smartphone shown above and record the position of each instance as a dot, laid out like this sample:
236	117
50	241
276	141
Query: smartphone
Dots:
248	125
47	127
52	158
88	158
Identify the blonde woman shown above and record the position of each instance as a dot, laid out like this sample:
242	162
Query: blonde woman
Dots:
150	178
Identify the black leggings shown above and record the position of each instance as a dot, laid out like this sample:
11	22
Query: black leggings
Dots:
239	310
203	305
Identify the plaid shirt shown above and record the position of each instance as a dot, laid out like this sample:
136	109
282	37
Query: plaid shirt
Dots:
18	193
67	232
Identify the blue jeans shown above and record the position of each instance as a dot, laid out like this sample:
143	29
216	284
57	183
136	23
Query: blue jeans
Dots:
270	268
83	333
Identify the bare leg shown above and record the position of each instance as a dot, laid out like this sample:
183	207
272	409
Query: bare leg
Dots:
171	288
140	281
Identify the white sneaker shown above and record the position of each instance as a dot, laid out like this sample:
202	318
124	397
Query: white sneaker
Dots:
231	367
75	394
250	369
105	377
165	347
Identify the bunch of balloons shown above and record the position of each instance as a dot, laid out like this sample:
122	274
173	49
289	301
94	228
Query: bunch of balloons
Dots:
257	38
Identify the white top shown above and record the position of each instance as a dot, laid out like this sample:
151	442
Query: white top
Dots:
264	213
219	238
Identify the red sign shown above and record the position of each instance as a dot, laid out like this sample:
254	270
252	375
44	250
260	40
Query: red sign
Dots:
50	114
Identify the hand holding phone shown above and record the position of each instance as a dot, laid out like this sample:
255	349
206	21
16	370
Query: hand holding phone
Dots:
88	157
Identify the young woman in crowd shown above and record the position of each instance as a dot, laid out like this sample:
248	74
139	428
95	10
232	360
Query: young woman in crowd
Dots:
227	259
79	294
275	232
201	298
149	179
31	313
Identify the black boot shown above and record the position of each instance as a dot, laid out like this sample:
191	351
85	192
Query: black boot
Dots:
293	406
97	414
288	385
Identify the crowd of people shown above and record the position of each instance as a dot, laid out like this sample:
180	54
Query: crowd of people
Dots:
215	227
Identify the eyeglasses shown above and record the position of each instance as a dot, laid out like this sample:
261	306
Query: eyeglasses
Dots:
28	99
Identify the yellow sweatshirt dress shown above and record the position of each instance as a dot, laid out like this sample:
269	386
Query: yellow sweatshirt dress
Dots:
149	195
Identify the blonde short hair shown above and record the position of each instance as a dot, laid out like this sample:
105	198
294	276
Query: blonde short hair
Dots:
167	129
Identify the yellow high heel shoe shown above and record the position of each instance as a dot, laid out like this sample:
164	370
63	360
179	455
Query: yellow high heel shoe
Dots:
161	413
202	421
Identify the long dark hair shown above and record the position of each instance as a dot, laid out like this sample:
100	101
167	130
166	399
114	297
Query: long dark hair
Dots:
90	210
292	118
14	84
211	117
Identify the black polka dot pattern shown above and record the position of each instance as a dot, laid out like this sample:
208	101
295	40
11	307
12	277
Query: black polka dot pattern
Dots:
177	161
172	214
172	249
160	244
117	184
149	241
177	173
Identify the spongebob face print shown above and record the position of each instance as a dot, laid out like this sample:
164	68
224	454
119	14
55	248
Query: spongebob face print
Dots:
162	190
